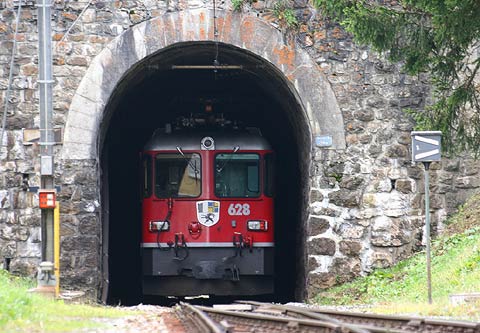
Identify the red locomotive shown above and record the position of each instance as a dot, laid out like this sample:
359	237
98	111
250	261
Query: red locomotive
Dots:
207	211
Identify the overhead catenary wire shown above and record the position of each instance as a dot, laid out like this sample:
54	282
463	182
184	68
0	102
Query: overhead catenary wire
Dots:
10	74
216	63
67	33
73	24
14	49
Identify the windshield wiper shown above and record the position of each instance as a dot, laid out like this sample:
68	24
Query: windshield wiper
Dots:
190	163
235	149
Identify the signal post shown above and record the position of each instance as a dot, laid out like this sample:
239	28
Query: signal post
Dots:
426	148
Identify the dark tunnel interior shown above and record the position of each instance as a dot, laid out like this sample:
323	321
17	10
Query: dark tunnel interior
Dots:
153	94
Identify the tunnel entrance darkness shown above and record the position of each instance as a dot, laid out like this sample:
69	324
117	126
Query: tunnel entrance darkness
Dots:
152	94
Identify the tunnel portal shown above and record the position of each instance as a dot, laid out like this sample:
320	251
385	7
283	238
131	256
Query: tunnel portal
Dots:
181	80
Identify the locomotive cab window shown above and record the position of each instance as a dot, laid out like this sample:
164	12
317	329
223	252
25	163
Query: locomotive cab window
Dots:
178	176
237	175
147	176
269	177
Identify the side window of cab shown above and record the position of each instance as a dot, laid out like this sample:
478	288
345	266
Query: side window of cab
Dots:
147	176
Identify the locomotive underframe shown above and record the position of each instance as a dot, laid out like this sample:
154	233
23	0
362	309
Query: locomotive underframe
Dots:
212	271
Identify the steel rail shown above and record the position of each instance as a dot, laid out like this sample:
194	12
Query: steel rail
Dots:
283	320
202	319
420	323
409	323
356	328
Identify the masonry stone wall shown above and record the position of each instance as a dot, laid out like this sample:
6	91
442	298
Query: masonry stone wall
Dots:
365	198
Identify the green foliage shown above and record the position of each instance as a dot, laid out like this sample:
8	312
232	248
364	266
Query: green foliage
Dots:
285	14
438	37
238	4
455	269
466	218
338	177
282	10
14	302
21	311
471	264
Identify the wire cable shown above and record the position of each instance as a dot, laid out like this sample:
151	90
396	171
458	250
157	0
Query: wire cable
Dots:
215	36
10	74
73	24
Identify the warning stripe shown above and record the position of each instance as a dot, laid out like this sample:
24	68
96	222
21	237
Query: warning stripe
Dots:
427	154
427	140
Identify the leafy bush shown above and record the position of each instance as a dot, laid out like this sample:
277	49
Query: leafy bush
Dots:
237	4
285	14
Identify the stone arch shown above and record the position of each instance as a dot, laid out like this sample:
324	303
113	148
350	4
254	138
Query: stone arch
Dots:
312	107
312	90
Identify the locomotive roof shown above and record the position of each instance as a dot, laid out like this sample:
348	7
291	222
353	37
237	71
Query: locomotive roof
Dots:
223	141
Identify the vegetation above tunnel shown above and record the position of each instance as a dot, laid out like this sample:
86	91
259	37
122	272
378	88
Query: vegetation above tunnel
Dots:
438	37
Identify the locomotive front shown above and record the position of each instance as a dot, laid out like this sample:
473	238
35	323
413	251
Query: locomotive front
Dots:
207	214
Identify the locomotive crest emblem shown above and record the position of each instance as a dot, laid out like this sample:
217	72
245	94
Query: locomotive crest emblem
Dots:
208	212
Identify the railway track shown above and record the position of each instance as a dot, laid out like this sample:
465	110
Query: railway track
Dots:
400	323
249	317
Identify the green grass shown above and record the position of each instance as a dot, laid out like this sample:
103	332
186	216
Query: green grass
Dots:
237	4
21	311
468	216
403	288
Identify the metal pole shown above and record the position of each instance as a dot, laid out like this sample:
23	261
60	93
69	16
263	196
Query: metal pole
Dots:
45	80
46	134
46	143
56	231
427	230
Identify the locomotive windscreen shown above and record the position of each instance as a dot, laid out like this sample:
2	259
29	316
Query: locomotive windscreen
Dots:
237	175
178	176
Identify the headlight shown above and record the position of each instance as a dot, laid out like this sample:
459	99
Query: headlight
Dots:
207	143
257	225
159	226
